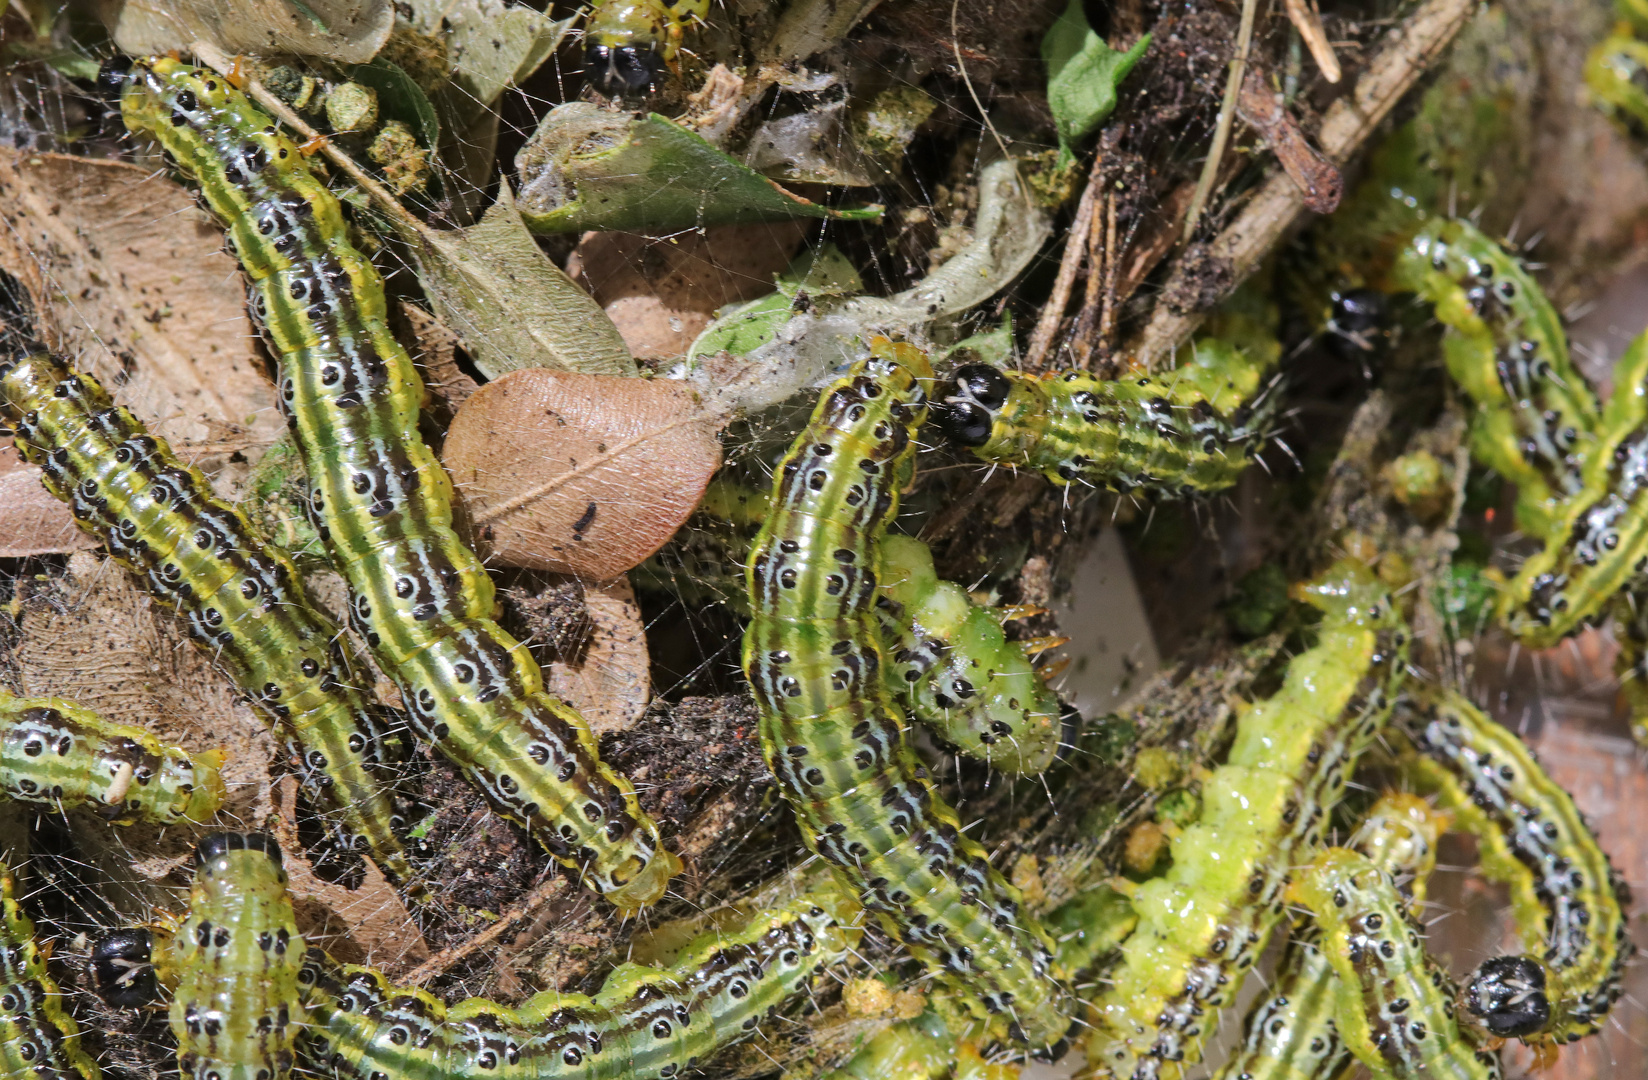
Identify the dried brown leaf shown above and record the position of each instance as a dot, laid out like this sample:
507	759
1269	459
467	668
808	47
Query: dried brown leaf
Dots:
662	293
131	280
582	474
32	522
608	680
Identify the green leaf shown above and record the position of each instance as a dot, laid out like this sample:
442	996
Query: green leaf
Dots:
587	168
1083	73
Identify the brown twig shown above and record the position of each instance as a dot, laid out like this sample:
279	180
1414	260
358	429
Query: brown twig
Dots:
1052	313
1308	21
1227	120
1408	51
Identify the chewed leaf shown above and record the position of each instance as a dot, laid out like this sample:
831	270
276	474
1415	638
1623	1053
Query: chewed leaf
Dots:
584	474
1084	73
32	521
589	169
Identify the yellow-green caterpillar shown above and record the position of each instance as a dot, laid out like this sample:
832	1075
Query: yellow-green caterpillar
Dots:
645	1022
241	598
1206	921
1395	1007
38	1040
830	730
1290	1034
1568	901
52	751
234	960
951	666
628	43
380	500
1536	416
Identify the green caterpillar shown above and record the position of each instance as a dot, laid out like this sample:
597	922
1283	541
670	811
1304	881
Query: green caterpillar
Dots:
645	1021
1568	901
830	730
241	598
55	752
38	1039
234	960
1536	417
1395	1006
1204	924
420	597
1290	1034
628	43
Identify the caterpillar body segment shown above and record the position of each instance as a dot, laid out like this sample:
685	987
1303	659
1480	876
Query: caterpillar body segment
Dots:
1134	433
1536	416
39	1040
1395	1007
645	1022
234	960
831	731
381	502
1568	901
949	661
1290	1033
56	752
1206	921
242	600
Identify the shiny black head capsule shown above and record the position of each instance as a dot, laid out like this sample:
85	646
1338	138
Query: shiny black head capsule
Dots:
113	75
622	70
121	972
1507	994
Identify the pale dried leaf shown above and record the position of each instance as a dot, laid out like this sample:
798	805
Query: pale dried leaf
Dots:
366	925
132	283
661	294
608	681
513	307
583	474
346	31
32	521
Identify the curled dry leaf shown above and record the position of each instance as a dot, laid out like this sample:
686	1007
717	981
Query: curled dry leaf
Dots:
607	680
133	273
32	522
348	31
582	474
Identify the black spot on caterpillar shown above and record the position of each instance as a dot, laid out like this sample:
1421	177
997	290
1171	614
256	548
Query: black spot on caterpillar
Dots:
1204	923
645	1022
241	598
380	500
235	959
52	751
830	730
1568	901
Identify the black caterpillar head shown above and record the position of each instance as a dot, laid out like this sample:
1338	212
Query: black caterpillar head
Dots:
113	75
120	967
622	70
1507	994
1359	325
966	410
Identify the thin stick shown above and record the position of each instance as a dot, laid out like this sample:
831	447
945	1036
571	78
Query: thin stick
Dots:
1227	119
1052	313
1107	319
530	904
1305	19
1407	52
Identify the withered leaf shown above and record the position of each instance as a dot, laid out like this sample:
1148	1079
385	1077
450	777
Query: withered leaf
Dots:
583	474
32	521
